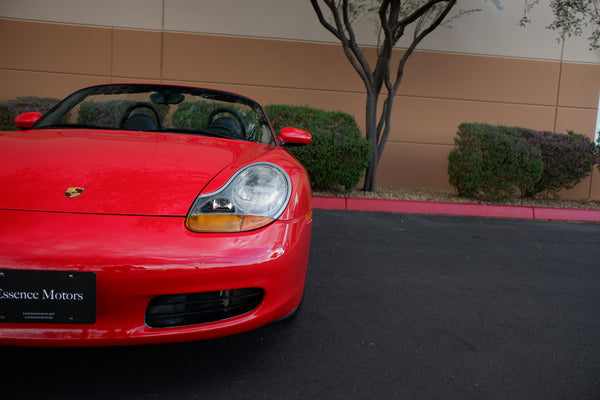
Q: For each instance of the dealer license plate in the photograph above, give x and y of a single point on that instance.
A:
(53, 297)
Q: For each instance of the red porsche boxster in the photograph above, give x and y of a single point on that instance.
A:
(149, 213)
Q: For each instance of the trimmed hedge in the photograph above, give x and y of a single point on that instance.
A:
(11, 108)
(568, 159)
(492, 161)
(338, 154)
(487, 161)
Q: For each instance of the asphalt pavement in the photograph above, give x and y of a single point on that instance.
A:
(397, 306)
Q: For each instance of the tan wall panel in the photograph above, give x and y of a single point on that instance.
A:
(257, 62)
(489, 31)
(580, 85)
(430, 120)
(458, 76)
(324, 67)
(127, 79)
(136, 54)
(55, 48)
(141, 14)
(414, 165)
(595, 189)
(581, 191)
(579, 120)
(43, 84)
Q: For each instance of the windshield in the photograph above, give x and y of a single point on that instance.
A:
(162, 108)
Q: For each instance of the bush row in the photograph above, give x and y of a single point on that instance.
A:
(493, 161)
(337, 155)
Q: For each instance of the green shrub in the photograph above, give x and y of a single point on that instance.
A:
(337, 155)
(567, 159)
(11, 108)
(488, 162)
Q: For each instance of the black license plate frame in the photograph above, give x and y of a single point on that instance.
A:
(47, 297)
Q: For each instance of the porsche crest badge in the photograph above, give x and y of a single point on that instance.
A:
(73, 192)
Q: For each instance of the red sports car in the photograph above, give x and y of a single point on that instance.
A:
(147, 213)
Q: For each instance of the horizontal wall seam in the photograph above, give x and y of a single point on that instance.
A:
(55, 72)
(366, 46)
(82, 25)
(316, 42)
(398, 96)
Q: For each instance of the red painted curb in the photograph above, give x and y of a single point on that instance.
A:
(329, 203)
(477, 210)
(567, 214)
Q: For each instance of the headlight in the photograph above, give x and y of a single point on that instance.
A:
(254, 197)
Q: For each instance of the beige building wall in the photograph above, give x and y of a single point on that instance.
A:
(478, 71)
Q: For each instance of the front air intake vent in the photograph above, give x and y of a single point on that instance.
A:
(198, 308)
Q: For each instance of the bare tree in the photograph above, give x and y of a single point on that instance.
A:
(394, 17)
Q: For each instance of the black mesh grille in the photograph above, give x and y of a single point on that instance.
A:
(197, 308)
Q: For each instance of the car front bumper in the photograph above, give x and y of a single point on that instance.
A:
(137, 258)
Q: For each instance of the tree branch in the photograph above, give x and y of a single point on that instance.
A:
(419, 37)
(324, 21)
(349, 45)
(384, 124)
(418, 13)
(354, 45)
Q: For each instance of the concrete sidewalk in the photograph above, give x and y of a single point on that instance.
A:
(476, 210)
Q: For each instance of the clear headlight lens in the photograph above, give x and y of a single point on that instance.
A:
(254, 197)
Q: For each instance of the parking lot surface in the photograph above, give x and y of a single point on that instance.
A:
(396, 306)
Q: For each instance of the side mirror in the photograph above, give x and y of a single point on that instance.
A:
(294, 137)
(26, 120)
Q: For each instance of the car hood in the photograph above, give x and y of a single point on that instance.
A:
(120, 172)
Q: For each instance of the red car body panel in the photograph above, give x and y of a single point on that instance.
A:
(123, 172)
(136, 258)
(128, 227)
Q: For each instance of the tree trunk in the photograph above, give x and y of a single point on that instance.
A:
(370, 183)
(371, 134)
